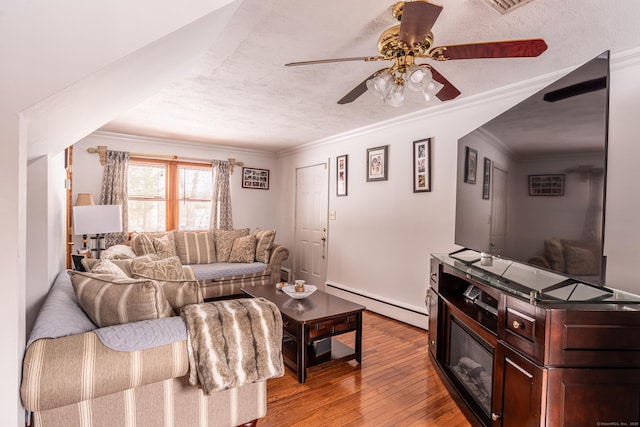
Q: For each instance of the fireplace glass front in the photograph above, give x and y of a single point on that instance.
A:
(472, 364)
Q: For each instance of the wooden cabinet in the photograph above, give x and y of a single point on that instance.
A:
(551, 363)
(518, 385)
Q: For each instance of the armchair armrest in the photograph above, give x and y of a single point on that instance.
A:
(279, 254)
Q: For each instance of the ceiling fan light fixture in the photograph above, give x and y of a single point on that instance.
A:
(380, 84)
(395, 97)
(418, 77)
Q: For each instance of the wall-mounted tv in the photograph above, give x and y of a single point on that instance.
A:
(531, 182)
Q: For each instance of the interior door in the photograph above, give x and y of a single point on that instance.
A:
(312, 193)
(498, 209)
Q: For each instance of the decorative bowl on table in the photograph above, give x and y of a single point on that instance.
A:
(291, 291)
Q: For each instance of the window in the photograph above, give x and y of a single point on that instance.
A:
(169, 195)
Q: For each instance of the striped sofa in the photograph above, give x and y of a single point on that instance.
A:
(220, 263)
(134, 374)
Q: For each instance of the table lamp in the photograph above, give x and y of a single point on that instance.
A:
(98, 220)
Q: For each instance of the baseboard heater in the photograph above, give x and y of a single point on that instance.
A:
(361, 295)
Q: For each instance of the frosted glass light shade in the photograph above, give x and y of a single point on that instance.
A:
(380, 84)
(418, 77)
(97, 219)
(395, 97)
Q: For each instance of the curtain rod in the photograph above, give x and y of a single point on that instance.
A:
(102, 152)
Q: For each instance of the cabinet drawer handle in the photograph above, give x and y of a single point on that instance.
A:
(495, 417)
(517, 325)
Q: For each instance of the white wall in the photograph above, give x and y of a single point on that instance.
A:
(380, 242)
(251, 208)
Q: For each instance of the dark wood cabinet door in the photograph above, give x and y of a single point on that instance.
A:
(432, 301)
(602, 396)
(517, 389)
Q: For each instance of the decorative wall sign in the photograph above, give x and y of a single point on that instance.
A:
(255, 178)
(470, 165)
(546, 185)
(377, 163)
(342, 174)
(422, 165)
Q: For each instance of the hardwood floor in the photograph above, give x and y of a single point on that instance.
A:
(396, 385)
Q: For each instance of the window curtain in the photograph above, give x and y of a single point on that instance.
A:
(114, 192)
(221, 217)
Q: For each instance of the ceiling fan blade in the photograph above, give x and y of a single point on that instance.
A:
(449, 91)
(358, 90)
(327, 61)
(418, 18)
(504, 49)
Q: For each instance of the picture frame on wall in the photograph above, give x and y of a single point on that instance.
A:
(486, 181)
(470, 165)
(422, 165)
(377, 168)
(342, 171)
(546, 185)
(255, 178)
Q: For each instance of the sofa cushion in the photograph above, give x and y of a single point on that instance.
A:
(118, 252)
(124, 264)
(167, 268)
(224, 242)
(554, 252)
(106, 266)
(165, 246)
(111, 300)
(243, 249)
(195, 247)
(169, 273)
(142, 244)
(220, 270)
(265, 239)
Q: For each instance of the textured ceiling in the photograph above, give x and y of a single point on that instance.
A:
(240, 94)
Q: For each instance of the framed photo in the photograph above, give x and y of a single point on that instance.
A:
(470, 165)
(342, 164)
(255, 178)
(377, 163)
(546, 185)
(486, 182)
(422, 165)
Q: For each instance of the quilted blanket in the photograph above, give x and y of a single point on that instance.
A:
(233, 342)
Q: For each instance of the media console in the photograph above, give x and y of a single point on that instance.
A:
(520, 346)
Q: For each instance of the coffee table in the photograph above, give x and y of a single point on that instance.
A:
(309, 325)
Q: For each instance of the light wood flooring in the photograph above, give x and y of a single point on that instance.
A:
(396, 385)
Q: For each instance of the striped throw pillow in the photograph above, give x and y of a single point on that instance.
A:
(195, 247)
(265, 239)
(111, 300)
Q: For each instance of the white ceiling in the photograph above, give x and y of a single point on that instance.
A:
(240, 94)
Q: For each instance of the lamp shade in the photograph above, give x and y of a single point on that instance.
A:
(97, 219)
(85, 199)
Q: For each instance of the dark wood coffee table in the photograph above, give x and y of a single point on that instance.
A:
(309, 325)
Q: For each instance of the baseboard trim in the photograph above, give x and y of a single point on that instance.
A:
(402, 312)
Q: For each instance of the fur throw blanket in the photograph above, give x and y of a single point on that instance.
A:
(233, 342)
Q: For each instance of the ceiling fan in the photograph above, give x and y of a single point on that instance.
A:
(412, 40)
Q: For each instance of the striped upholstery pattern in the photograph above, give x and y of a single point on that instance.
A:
(265, 239)
(231, 285)
(70, 381)
(170, 403)
(195, 247)
(66, 370)
(111, 300)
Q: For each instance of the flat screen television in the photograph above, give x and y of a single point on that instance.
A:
(531, 182)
